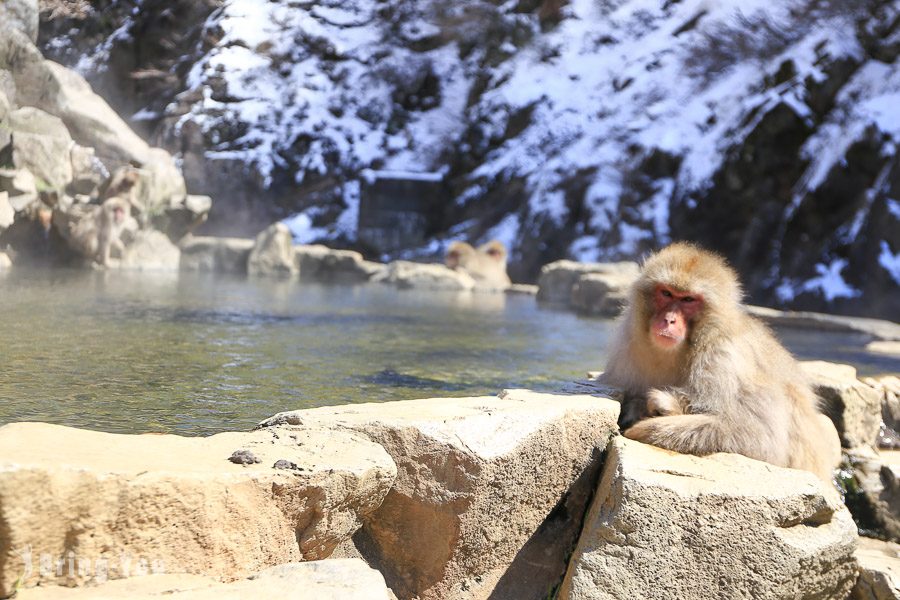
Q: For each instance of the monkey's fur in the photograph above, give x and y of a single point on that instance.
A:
(486, 264)
(729, 386)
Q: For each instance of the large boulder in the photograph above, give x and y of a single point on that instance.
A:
(602, 294)
(667, 525)
(273, 252)
(557, 279)
(320, 263)
(490, 491)
(224, 506)
(151, 250)
(21, 15)
(853, 406)
(42, 145)
(348, 579)
(410, 275)
(184, 214)
(208, 254)
(879, 571)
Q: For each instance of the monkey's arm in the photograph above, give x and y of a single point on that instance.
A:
(689, 434)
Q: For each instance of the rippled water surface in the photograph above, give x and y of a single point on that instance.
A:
(197, 354)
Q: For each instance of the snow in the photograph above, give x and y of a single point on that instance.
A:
(830, 283)
(890, 261)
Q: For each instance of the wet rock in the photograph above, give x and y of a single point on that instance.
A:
(348, 579)
(176, 501)
(490, 490)
(523, 289)
(215, 254)
(667, 525)
(879, 571)
(854, 407)
(557, 279)
(273, 252)
(410, 275)
(877, 328)
(320, 263)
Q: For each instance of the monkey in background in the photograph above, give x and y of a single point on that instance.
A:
(486, 264)
(701, 375)
(96, 230)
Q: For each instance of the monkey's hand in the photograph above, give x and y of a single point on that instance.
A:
(699, 434)
(662, 403)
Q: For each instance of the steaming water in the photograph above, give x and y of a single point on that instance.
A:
(196, 354)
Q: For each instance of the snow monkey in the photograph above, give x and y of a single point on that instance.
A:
(486, 264)
(94, 230)
(700, 375)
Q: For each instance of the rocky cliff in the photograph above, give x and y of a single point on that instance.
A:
(589, 129)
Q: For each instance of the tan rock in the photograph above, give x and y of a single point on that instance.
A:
(273, 252)
(557, 279)
(41, 144)
(602, 294)
(854, 407)
(88, 173)
(215, 254)
(879, 571)
(320, 263)
(348, 579)
(120, 504)
(410, 275)
(151, 250)
(5, 262)
(889, 388)
(877, 328)
(666, 525)
(185, 214)
(471, 514)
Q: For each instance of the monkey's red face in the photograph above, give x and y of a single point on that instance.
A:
(118, 215)
(674, 312)
(452, 259)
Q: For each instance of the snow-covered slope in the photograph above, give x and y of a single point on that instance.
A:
(594, 129)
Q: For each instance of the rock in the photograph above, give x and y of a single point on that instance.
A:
(602, 294)
(88, 173)
(7, 213)
(557, 279)
(215, 254)
(523, 289)
(347, 579)
(471, 514)
(5, 132)
(879, 571)
(410, 275)
(5, 262)
(320, 263)
(184, 214)
(42, 145)
(877, 328)
(854, 407)
(668, 525)
(21, 15)
(151, 250)
(177, 501)
(889, 388)
(888, 348)
(878, 474)
(20, 185)
(273, 252)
